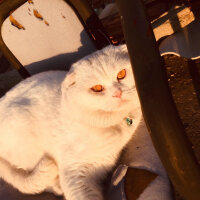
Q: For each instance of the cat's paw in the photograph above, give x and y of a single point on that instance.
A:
(48, 171)
(55, 188)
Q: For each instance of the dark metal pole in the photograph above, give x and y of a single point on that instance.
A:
(92, 23)
(159, 110)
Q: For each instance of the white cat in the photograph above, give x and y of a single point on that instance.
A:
(64, 131)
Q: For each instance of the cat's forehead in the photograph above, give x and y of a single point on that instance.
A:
(105, 63)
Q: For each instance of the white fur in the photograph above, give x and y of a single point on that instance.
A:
(56, 117)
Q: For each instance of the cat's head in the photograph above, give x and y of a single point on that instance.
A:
(102, 82)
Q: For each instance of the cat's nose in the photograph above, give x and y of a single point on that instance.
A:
(117, 93)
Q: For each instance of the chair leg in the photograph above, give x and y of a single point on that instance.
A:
(23, 72)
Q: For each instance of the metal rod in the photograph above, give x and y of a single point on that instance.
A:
(92, 24)
(83, 8)
(159, 110)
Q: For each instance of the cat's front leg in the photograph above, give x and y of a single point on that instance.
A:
(44, 176)
(80, 183)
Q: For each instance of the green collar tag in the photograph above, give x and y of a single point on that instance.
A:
(129, 121)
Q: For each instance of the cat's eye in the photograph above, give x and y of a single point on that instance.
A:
(97, 88)
(121, 75)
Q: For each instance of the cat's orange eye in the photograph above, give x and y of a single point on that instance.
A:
(121, 74)
(97, 88)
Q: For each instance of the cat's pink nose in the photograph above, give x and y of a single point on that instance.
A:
(118, 94)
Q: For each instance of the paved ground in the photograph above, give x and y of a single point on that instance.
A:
(185, 90)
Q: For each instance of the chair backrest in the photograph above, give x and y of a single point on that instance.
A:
(46, 34)
(184, 43)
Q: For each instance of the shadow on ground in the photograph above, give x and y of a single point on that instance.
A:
(9, 193)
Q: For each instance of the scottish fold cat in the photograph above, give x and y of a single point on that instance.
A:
(62, 132)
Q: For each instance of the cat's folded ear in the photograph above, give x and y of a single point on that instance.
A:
(69, 80)
(123, 48)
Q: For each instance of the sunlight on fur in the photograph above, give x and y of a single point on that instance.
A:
(59, 135)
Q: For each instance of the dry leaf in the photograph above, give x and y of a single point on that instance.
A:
(15, 23)
(30, 1)
(46, 23)
(37, 14)
(114, 41)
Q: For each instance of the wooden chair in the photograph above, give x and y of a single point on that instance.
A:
(184, 43)
(41, 35)
(159, 110)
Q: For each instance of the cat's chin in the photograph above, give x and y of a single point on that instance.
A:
(99, 117)
(122, 105)
(105, 119)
